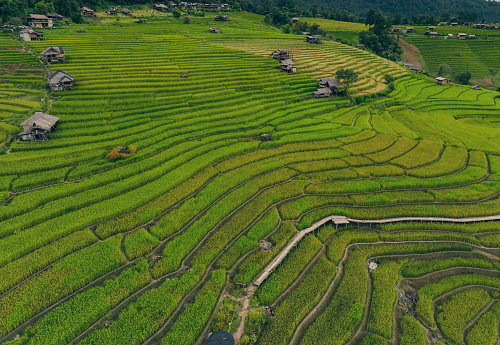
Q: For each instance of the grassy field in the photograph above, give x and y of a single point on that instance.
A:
(160, 246)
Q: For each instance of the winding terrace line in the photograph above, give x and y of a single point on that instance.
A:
(342, 220)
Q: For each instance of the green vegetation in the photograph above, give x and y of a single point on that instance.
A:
(233, 158)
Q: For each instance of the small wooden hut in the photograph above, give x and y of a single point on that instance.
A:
(52, 54)
(215, 29)
(87, 12)
(281, 54)
(441, 80)
(314, 39)
(126, 12)
(60, 80)
(286, 65)
(38, 127)
(323, 92)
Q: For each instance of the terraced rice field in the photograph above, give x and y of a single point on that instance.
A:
(480, 56)
(159, 247)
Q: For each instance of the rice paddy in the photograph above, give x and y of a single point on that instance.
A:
(160, 246)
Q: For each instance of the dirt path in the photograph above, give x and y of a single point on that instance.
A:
(244, 311)
(411, 54)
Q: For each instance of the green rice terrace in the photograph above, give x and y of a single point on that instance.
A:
(164, 208)
(480, 56)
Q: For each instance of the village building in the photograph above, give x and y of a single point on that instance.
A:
(472, 37)
(477, 26)
(39, 20)
(454, 24)
(476, 87)
(441, 80)
(319, 16)
(60, 81)
(461, 36)
(484, 26)
(331, 84)
(52, 54)
(87, 12)
(433, 34)
(415, 69)
(212, 7)
(466, 24)
(409, 30)
(396, 29)
(281, 54)
(430, 28)
(172, 4)
(226, 6)
(160, 7)
(448, 36)
(305, 33)
(56, 17)
(112, 11)
(295, 20)
(361, 46)
(323, 92)
(286, 65)
(38, 127)
(215, 29)
(495, 27)
(126, 12)
(442, 23)
(31, 35)
(314, 39)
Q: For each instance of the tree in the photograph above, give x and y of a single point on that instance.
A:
(370, 17)
(177, 13)
(463, 78)
(388, 78)
(77, 18)
(444, 70)
(16, 21)
(186, 20)
(267, 19)
(347, 77)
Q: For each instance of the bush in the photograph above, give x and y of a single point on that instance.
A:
(463, 78)
(186, 20)
(177, 13)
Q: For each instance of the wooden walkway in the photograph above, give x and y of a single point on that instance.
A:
(341, 220)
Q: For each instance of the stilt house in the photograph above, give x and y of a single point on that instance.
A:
(52, 54)
(60, 80)
(38, 127)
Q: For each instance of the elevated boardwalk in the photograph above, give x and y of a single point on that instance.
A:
(341, 220)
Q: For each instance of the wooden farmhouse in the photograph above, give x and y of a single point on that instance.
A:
(396, 30)
(87, 12)
(126, 12)
(160, 7)
(286, 65)
(38, 127)
(414, 69)
(39, 20)
(409, 30)
(454, 24)
(281, 54)
(461, 36)
(295, 20)
(448, 36)
(314, 39)
(442, 23)
(215, 29)
(330, 83)
(433, 34)
(327, 88)
(441, 80)
(323, 92)
(31, 35)
(472, 37)
(476, 87)
(52, 54)
(60, 80)
(430, 28)
(56, 17)
(112, 11)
